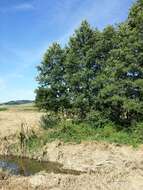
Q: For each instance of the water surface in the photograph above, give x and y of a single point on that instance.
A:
(27, 167)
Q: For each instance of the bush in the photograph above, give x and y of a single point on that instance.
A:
(108, 130)
(33, 142)
(137, 132)
(49, 121)
(67, 131)
(71, 132)
(96, 119)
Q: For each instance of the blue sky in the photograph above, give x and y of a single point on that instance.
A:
(28, 27)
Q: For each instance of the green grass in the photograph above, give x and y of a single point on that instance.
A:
(70, 132)
(83, 132)
(3, 109)
(33, 143)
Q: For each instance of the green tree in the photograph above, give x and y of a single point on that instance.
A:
(78, 64)
(98, 74)
(102, 49)
(51, 94)
(121, 97)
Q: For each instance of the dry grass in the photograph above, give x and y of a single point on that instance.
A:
(11, 119)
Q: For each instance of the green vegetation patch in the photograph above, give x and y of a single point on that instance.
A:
(69, 131)
(3, 109)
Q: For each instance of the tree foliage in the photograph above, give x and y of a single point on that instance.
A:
(98, 72)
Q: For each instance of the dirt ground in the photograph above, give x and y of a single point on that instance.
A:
(104, 166)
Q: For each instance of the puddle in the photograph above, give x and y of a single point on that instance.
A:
(27, 167)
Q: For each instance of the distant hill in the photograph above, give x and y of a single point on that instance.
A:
(17, 102)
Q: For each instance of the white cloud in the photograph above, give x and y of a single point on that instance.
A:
(18, 7)
(23, 7)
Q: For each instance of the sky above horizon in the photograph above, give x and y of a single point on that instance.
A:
(28, 27)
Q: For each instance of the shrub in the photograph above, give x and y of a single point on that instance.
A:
(137, 132)
(49, 121)
(71, 132)
(33, 142)
(108, 130)
(96, 119)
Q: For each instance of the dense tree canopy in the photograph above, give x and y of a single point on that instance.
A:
(97, 71)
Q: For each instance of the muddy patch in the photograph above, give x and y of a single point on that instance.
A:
(27, 167)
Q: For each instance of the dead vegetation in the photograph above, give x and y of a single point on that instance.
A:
(10, 120)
